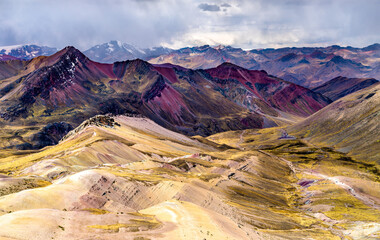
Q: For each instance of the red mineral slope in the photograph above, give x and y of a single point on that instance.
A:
(282, 95)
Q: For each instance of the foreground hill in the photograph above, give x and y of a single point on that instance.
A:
(350, 124)
(129, 178)
(306, 66)
(341, 86)
(69, 87)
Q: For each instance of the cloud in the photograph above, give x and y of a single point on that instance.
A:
(179, 23)
(209, 7)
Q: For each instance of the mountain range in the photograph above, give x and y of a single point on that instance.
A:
(67, 86)
(306, 66)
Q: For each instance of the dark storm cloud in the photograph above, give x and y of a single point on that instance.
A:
(179, 23)
(209, 7)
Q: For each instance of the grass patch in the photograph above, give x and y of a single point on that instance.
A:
(96, 211)
(134, 225)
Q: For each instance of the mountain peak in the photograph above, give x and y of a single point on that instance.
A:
(115, 42)
(69, 52)
(70, 49)
(226, 48)
(373, 47)
(288, 57)
(220, 47)
(318, 54)
(228, 65)
(140, 64)
(338, 59)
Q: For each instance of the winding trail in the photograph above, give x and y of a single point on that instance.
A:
(335, 180)
(366, 200)
(241, 140)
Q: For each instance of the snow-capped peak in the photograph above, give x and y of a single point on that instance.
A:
(8, 49)
(118, 51)
(27, 51)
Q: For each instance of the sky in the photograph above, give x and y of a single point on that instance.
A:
(247, 24)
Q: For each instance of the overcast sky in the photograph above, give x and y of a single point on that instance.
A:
(179, 23)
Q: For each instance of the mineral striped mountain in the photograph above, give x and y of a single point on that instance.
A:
(68, 87)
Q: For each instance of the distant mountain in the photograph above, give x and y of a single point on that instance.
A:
(208, 57)
(342, 86)
(68, 86)
(114, 51)
(373, 47)
(350, 124)
(27, 51)
(308, 67)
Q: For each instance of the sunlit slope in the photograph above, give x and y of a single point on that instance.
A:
(350, 124)
(125, 178)
(343, 193)
(98, 141)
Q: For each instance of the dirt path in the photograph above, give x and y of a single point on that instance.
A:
(367, 201)
(241, 140)
(335, 180)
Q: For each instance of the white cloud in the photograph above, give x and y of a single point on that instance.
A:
(179, 23)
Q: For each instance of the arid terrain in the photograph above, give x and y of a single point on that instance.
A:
(128, 178)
